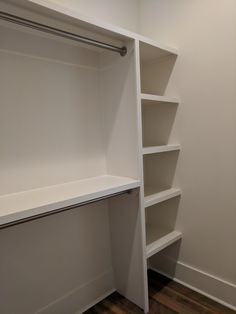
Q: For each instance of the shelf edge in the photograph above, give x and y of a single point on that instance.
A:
(161, 197)
(152, 42)
(44, 206)
(157, 98)
(160, 149)
(162, 243)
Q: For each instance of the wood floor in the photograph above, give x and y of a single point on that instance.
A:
(165, 297)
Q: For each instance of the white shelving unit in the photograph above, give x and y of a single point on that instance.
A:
(158, 156)
(68, 132)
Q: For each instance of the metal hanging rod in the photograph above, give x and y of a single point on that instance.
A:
(60, 210)
(61, 33)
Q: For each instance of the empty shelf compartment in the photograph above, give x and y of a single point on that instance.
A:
(156, 67)
(161, 221)
(158, 123)
(159, 171)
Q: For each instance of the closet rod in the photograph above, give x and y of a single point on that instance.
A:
(60, 210)
(58, 32)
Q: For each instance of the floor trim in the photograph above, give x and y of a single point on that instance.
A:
(102, 297)
(83, 297)
(201, 284)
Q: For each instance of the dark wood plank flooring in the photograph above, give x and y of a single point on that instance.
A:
(165, 297)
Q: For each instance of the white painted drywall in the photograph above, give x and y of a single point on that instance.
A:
(123, 13)
(205, 78)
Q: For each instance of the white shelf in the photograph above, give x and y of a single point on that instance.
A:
(90, 23)
(160, 149)
(162, 241)
(33, 202)
(149, 98)
(161, 197)
(151, 50)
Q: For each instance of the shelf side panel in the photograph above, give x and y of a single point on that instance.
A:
(118, 103)
(126, 246)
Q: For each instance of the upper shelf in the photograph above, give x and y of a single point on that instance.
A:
(148, 98)
(34, 202)
(91, 25)
(150, 50)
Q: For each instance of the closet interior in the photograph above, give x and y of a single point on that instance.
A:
(85, 147)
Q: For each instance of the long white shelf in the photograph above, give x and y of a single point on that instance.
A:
(160, 149)
(162, 196)
(90, 23)
(162, 242)
(148, 98)
(33, 202)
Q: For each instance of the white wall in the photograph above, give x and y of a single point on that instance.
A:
(205, 75)
(123, 13)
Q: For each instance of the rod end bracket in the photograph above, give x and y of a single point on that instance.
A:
(123, 51)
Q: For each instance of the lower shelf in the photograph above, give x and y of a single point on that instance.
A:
(30, 203)
(161, 197)
(160, 149)
(159, 240)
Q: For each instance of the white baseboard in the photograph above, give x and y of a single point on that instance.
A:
(83, 297)
(204, 283)
(102, 297)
